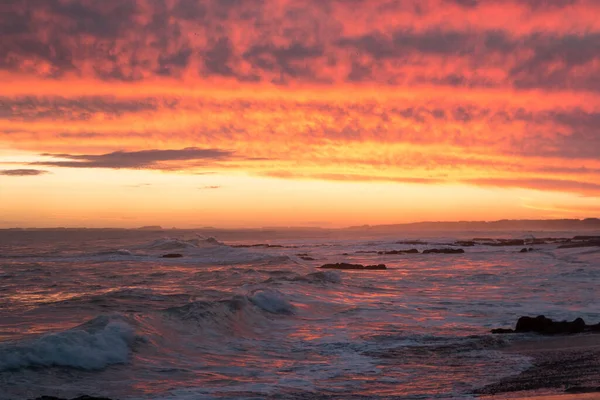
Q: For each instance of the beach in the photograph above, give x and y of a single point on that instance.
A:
(563, 367)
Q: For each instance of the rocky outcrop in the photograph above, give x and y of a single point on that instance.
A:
(443, 251)
(464, 243)
(172, 255)
(393, 252)
(583, 243)
(354, 266)
(411, 242)
(547, 326)
(582, 237)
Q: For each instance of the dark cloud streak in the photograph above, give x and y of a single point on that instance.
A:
(22, 172)
(145, 159)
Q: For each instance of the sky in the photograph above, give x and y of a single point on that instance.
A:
(250, 113)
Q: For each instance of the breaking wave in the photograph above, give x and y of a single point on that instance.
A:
(268, 301)
(272, 301)
(178, 244)
(95, 345)
(209, 250)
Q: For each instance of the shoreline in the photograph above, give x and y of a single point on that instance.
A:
(563, 367)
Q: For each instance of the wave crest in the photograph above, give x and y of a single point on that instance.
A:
(227, 310)
(272, 301)
(95, 345)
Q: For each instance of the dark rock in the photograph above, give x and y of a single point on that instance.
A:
(48, 398)
(75, 398)
(578, 325)
(366, 252)
(464, 243)
(353, 266)
(547, 326)
(443, 251)
(307, 258)
(584, 243)
(536, 241)
(586, 237)
(594, 328)
(392, 252)
(529, 324)
(526, 250)
(411, 242)
(172, 255)
(502, 330)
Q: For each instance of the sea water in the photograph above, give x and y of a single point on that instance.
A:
(100, 312)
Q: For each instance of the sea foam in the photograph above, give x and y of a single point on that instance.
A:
(271, 301)
(106, 341)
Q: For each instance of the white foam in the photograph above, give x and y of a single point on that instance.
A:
(272, 301)
(76, 348)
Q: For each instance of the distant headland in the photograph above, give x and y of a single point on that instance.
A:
(499, 225)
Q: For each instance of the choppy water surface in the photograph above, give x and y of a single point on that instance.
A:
(99, 312)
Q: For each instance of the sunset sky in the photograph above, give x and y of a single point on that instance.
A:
(249, 113)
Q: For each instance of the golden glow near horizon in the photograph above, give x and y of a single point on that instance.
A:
(195, 114)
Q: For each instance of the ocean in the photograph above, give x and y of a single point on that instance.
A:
(247, 315)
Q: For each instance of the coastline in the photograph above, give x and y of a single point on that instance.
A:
(563, 367)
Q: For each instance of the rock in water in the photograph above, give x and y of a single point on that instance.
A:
(353, 266)
(75, 398)
(547, 326)
(530, 324)
(443, 251)
(172, 255)
(502, 330)
(464, 243)
(391, 252)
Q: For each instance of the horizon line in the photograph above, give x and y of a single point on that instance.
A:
(315, 227)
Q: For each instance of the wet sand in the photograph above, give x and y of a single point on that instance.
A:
(564, 367)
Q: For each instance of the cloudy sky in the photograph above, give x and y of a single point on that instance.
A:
(231, 113)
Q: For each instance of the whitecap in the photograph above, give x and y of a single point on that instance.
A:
(99, 343)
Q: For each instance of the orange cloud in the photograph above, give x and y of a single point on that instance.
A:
(517, 44)
(586, 188)
(424, 93)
